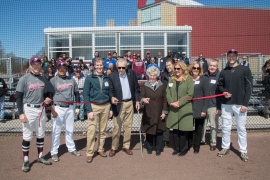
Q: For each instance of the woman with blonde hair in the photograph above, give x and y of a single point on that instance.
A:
(180, 118)
(199, 107)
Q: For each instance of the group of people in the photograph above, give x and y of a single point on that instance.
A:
(179, 101)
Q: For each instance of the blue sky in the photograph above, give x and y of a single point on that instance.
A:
(22, 21)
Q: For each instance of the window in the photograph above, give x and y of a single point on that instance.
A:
(85, 52)
(105, 40)
(59, 40)
(154, 39)
(81, 39)
(151, 16)
(130, 39)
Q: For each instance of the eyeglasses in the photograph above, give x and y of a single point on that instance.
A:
(194, 68)
(121, 67)
(177, 69)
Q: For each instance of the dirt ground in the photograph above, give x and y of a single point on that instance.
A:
(205, 165)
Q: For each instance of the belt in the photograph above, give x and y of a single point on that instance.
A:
(33, 105)
(64, 106)
(126, 100)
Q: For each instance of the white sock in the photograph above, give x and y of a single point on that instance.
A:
(25, 158)
(40, 155)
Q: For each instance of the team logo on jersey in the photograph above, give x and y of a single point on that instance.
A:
(32, 87)
(61, 87)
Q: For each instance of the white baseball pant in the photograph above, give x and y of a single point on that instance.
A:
(66, 117)
(226, 114)
(33, 122)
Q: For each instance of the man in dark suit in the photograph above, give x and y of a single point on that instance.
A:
(124, 88)
(203, 63)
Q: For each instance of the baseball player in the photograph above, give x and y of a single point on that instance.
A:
(65, 88)
(32, 93)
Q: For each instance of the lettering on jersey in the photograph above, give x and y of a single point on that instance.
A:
(138, 63)
(32, 87)
(61, 87)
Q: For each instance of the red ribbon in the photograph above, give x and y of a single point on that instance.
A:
(191, 99)
(43, 105)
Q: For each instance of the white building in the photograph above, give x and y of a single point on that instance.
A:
(84, 41)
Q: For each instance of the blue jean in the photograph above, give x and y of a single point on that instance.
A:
(81, 115)
(2, 103)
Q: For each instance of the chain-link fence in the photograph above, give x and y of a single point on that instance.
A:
(255, 119)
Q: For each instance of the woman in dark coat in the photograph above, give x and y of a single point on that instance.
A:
(199, 107)
(153, 98)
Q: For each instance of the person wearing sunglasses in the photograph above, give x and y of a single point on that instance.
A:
(185, 58)
(178, 93)
(199, 107)
(245, 62)
(124, 95)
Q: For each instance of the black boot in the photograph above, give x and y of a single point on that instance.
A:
(196, 150)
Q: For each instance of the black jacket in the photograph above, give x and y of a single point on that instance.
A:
(3, 87)
(147, 61)
(266, 83)
(70, 70)
(165, 77)
(201, 88)
(115, 89)
(213, 80)
(238, 82)
(204, 65)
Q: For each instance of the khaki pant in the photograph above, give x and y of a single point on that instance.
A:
(213, 119)
(101, 113)
(124, 117)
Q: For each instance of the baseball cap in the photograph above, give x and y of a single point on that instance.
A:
(148, 52)
(59, 64)
(184, 52)
(138, 55)
(232, 51)
(245, 57)
(78, 70)
(35, 59)
(109, 53)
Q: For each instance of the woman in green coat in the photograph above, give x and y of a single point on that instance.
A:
(179, 91)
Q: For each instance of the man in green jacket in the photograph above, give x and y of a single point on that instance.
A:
(96, 91)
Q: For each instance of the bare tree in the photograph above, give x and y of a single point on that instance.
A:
(41, 52)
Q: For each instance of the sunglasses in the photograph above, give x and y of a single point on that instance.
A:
(194, 68)
(121, 67)
(177, 69)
